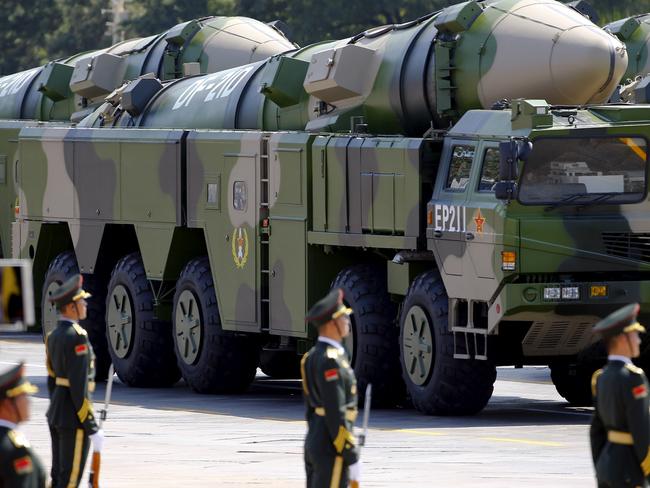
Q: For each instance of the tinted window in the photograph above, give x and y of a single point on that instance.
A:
(460, 168)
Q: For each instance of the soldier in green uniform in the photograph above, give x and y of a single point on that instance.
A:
(19, 466)
(71, 369)
(620, 428)
(330, 392)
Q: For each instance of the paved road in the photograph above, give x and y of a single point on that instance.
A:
(526, 437)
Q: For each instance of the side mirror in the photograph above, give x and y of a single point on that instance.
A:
(505, 190)
(508, 161)
(510, 153)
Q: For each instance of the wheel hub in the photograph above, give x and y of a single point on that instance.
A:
(187, 327)
(119, 319)
(417, 345)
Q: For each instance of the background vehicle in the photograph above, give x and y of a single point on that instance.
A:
(16, 295)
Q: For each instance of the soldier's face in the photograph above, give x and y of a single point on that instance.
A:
(78, 309)
(635, 344)
(343, 325)
(23, 407)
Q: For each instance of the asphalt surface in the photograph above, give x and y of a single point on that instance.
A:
(526, 437)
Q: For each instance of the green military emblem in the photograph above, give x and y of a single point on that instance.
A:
(239, 241)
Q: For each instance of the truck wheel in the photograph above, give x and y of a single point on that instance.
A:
(61, 268)
(140, 344)
(210, 359)
(572, 379)
(373, 341)
(437, 383)
(280, 364)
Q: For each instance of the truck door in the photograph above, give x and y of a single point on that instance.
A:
(449, 218)
(484, 232)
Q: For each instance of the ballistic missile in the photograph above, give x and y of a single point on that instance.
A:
(398, 78)
(73, 87)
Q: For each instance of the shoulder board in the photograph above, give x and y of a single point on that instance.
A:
(634, 369)
(80, 330)
(18, 439)
(333, 353)
(594, 380)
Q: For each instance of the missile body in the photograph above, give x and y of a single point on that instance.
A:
(55, 91)
(400, 79)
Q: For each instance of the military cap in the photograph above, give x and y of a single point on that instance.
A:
(13, 383)
(69, 291)
(328, 308)
(621, 321)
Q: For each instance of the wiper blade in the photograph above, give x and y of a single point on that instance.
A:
(565, 200)
(602, 197)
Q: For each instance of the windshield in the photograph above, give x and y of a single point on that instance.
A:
(576, 171)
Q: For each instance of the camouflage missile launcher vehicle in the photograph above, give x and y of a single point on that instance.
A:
(208, 245)
(65, 91)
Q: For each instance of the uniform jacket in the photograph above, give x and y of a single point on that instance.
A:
(71, 370)
(620, 428)
(19, 467)
(330, 391)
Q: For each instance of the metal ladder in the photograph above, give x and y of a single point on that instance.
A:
(265, 233)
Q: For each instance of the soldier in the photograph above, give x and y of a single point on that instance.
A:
(330, 392)
(620, 428)
(71, 369)
(19, 466)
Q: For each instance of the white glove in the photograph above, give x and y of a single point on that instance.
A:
(355, 471)
(98, 440)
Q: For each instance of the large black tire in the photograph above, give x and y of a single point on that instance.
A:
(374, 335)
(280, 364)
(143, 355)
(444, 385)
(572, 378)
(210, 359)
(61, 268)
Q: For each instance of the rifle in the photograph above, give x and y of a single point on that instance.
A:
(366, 416)
(93, 479)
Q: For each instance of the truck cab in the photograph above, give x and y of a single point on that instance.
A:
(529, 272)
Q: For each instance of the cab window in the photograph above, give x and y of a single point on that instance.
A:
(460, 168)
(489, 170)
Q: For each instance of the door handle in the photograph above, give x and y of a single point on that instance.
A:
(437, 234)
(469, 236)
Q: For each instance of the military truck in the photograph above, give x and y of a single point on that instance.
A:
(208, 242)
(65, 91)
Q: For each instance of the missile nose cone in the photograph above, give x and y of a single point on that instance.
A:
(586, 65)
(546, 50)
